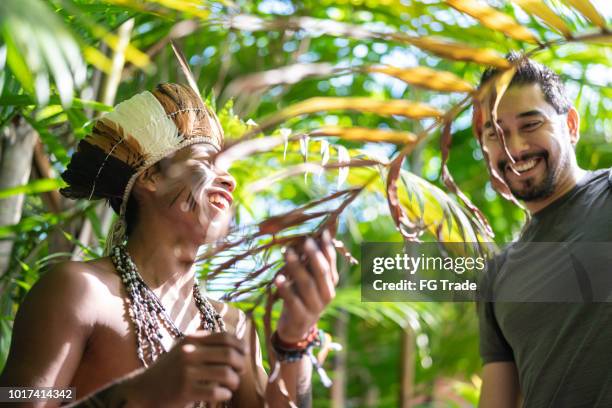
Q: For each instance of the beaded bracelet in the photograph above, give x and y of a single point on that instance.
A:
(292, 352)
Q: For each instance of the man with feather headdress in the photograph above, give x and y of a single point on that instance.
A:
(133, 328)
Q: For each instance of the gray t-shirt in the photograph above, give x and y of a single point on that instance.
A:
(562, 349)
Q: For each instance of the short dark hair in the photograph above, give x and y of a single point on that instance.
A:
(531, 72)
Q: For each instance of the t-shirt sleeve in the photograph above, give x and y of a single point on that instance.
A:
(493, 345)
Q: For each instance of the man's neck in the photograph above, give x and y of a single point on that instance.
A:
(563, 187)
(164, 260)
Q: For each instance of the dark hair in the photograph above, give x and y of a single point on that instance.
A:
(531, 72)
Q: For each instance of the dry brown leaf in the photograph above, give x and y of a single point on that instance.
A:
(501, 82)
(449, 182)
(589, 11)
(480, 104)
(496, 85)
(454, 50)
(538, 8)
(497, 182)
(426, 78)
(340, 247)
(362, 134)
(409, 230)
(277, 223)
(491, 18)
(274, 225)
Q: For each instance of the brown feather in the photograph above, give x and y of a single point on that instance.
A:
(111, 137)
(191, 116)
(185, 68)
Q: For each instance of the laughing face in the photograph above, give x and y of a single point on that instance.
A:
(191, 195)
(539, 140)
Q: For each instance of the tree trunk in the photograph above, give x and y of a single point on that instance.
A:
(338, 389)
(17, 147)
(407, 368)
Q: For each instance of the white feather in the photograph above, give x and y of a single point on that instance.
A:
(144, 118)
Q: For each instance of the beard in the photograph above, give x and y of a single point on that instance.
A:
(536, 187)
(532, 191)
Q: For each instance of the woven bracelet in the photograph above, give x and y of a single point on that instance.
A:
(292, 352)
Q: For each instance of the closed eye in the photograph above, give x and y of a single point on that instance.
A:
(203, 158)
(203, 161)
(493, 137)
(531, 126)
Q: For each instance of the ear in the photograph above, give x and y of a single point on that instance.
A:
(147, 180)
(573, 125)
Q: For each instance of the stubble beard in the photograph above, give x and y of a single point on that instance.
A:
(531, 190)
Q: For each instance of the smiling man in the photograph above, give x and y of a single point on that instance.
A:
(134, 329)
(545, 348)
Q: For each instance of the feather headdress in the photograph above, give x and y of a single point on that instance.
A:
(138, 133)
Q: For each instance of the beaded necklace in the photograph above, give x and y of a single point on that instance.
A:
(148, 314)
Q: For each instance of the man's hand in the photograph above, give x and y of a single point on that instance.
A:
(307, 285)
(201, 367)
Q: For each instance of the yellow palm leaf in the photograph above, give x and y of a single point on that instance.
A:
(454, 50)
(538, 8)
(362, 134)
(414, 110)
(426, 78)
(496, 20)
(589, 11)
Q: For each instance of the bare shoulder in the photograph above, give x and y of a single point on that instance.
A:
(54, 323)
(88, 276)
(75, 285)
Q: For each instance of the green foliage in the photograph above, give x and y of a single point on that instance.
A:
(58, 96)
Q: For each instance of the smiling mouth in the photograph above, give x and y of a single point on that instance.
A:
(524, 165)
(219, 200)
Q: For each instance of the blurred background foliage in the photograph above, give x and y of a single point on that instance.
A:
(63, 63)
